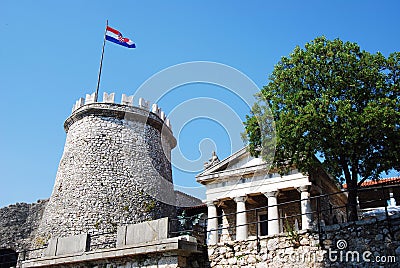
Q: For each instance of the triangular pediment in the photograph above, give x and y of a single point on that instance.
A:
(238, 160)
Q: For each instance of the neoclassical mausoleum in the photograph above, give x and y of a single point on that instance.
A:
(246, 198)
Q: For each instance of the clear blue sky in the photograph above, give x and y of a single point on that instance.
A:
(50, 53)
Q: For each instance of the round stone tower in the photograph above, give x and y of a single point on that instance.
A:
(115, 169)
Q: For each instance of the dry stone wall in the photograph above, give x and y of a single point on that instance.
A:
(367, 243)
(185, 200)
(18, 224)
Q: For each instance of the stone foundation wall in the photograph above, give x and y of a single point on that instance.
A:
(340, 245)
(377, 237)
(268, 253)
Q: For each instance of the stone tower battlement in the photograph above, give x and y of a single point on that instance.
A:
(126, 101)
(115, 168)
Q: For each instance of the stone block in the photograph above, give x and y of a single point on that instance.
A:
(163, 228)
(109, 98)
(188, 238)
(51, 248)
(121, 236)
(251, 259)
(139, 233)
(272, 244)
(145, 232)
(127, 100)
(72, 244)
(186, 245)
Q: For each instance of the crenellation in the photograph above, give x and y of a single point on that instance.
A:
(168, 123)
(79, 103)
(109, 98)
(162, 115)
(144, 104)
(155, 109)
(158, 111)
(127, 100)
(90, 98)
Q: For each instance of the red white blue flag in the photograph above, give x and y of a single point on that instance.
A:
(115, 36)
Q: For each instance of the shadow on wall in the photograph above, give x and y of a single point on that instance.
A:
(8, 258)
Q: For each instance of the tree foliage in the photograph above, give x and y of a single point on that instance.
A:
(333, 100)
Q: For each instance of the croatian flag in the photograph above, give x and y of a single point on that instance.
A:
(116, 37)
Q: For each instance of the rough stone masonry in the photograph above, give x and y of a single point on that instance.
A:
(114, 170)
(18, 224)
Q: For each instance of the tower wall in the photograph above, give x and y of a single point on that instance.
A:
(114, 170)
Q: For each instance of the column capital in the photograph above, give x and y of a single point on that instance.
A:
(210, 203)
(271, 194)
(304, 188)
(240, 198)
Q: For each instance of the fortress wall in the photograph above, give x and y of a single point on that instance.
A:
(18, 224)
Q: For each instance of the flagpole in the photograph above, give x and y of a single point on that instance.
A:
(101, 64)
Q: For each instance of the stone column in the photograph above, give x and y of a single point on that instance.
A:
(212, 223)
(273, 214)
(306, 212)
(241, 218)
(392, 200)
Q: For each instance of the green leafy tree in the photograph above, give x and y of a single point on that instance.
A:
(333, 100)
